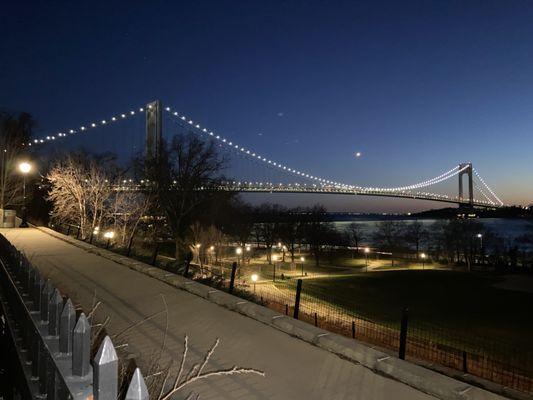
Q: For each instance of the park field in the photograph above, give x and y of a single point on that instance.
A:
(464, 305)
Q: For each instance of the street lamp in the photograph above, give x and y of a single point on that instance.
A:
(109, 235)
(274, 259)
(480, 236)
(254, 280)
(24, 168)
(238, 251)
(423, 257)
(367, 250)
(302, 259)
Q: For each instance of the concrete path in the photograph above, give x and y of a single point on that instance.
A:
(294, 369)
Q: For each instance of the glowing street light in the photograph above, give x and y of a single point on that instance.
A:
(302, 259)
(480, 237)
(367, 250)
(238, 250)
(254, 279)
(423, 257)
(109, 235)
(24, 168)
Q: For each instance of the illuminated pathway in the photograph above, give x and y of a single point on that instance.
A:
(294, 369)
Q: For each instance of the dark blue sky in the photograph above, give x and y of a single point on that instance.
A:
(416, 86)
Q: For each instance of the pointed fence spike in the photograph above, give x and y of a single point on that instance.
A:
(105, 372)
(55, 306)
(45, 298)
(81, 346)
(137, 389)
(66, 327)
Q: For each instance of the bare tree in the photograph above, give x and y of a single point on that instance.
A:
(15, 130)
(80, 192)
(414, 234)
(128, 208)
(317, 230)
(355, 235)
(185, 177)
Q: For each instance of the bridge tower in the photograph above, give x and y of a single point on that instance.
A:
(468, 172)
(154, 127)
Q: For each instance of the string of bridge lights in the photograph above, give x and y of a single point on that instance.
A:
(442, 177)
(487, 187)
(234, 146)
(253, 154)
(483, 193)
(86, 128)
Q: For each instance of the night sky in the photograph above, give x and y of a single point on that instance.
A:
(416, 86)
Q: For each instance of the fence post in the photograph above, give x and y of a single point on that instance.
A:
(353, 329)
(54, 312)
(105, 372)
(78, 233)
(316, 319)
(52, 384)
(81, 346)
(91, 237)
(186, 271)
(232, 279)
(43, 368)
(66, 327)
(68, 230)
(36, 355)
(45, 299)
(465, 363)
(137, 389)
(297, 300)
(403, 333)
(154, 256)
(37, 288)
(31, 280)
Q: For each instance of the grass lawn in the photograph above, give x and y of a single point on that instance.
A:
(462, 303)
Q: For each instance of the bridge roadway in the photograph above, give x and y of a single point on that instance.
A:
(294, 369)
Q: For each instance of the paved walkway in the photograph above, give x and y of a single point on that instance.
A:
(294, 369)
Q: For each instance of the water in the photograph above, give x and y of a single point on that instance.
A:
(506, 228)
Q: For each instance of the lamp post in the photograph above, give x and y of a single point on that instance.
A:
(302, 259)
(197, 247)
(24, 168)
(274, 259)
(423, 257)
(211, 251)
(480, 237)
(238, 251)
(254, 280)
(367, 250)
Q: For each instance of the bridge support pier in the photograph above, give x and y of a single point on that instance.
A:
(468, 172)
(154, 127)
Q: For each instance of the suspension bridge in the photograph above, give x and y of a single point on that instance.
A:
(279, 177)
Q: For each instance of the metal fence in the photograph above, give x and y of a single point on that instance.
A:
(499, 362)
(49, 343)
(487, 358)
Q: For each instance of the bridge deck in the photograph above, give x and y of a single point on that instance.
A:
(294, 369)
